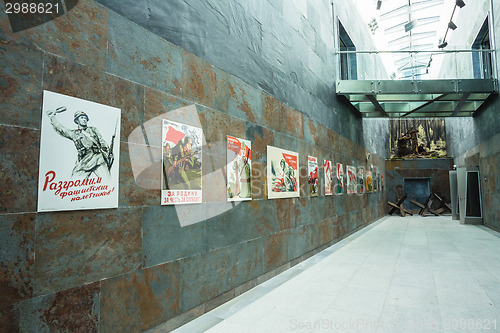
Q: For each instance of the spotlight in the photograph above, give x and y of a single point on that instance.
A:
(379, 4)
(443, 45)
(460, 3)
(452, 25)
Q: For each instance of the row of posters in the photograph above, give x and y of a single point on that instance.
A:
(80, 144)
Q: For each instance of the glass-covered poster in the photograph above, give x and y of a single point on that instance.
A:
(282, 173)
(79, 154)
(239, 169)
(327, 167)
(369, 181)
(181, 164)
(351, 179)
(312, 170)
(361, 180)
(340, 179)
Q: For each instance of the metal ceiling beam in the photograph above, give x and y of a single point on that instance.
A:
(461, 104)
(377, 105)
(423, 106)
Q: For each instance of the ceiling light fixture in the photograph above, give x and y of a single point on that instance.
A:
(451, 25)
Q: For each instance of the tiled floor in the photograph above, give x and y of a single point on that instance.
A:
(408, 274)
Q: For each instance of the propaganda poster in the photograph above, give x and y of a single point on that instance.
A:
(369, 181)
(282, 173)
(312, 171)
(340, 179)
(361, 180)
(239, 169)
(351, 179)
(181, 164)
(79, 154)
(327, 167)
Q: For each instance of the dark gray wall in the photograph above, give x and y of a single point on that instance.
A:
(376, 136)
(286, 51)
(461, 135)
(475, 141)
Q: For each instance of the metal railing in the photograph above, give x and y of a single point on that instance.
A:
(416, 64)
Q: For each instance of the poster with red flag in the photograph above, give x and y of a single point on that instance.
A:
(181, 164)
(312, 171)
(282, 173)
(239, 169)
(327, 167)
(79, 154)
(352, 181)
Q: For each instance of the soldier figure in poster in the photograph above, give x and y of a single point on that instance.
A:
(181, 160)
(94, 155)
(182, 164)
(244, 173)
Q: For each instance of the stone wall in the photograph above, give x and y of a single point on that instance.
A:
(437, 170)
(474, 141)
(135, 267)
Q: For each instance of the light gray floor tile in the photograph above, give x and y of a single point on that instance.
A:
(409, 274)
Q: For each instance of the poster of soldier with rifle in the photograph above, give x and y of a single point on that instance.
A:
(239, 169)
(282, 173)
(79, 154)
(181, 164)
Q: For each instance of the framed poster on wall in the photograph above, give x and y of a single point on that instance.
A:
(352, 181)
(340, 179)
(239, 169)
(282, 173)
(369, 181)
(312, 172)
(181, 164)
(79, 154)
(361, 180)
(327, 167)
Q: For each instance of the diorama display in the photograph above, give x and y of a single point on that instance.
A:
(181, 164)
(239, 169)
(312, 171)
(79, 154)
(417, 138)
(361, 180)
(327, 167)
(369, 181)
(282, 173)
(340, 179)
(352, 181)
